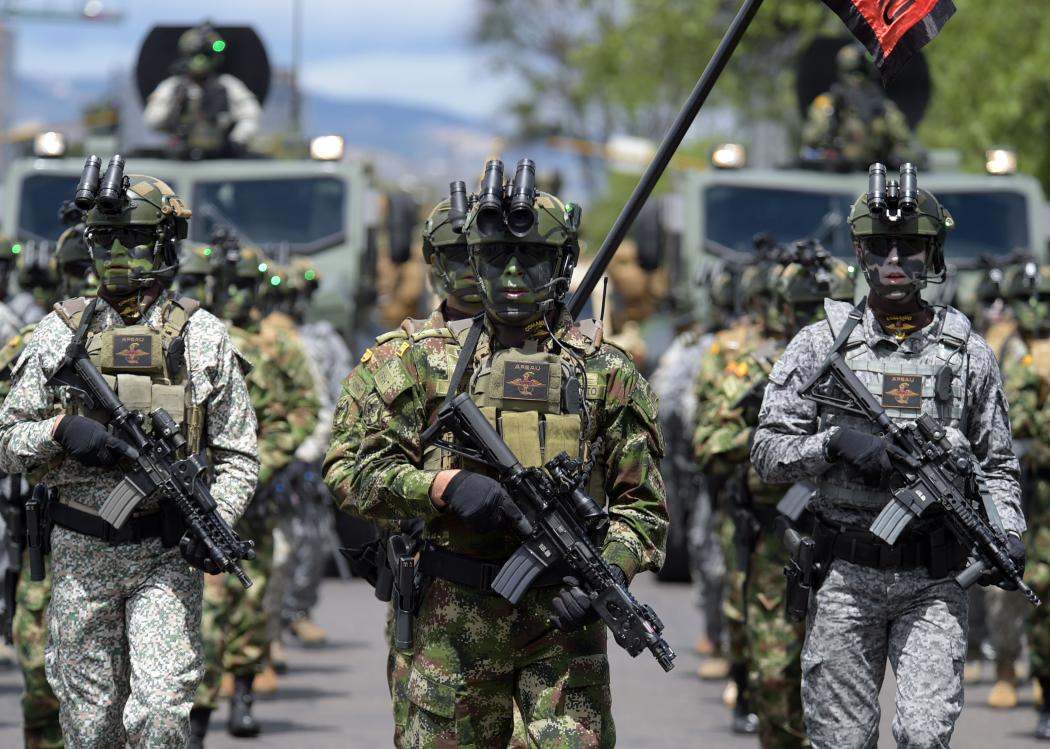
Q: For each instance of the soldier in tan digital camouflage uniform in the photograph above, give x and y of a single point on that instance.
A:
(124, 651)
(475, 655)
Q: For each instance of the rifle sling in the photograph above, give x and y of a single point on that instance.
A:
(465, 355)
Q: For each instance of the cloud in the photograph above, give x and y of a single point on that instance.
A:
(446, 80)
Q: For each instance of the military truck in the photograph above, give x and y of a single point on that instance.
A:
(327, 207)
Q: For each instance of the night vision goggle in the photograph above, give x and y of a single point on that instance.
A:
(499, 205)
(108, 194)
(892, 199)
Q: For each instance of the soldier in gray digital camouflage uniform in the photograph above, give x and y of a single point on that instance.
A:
(124, 653)
(879, 602)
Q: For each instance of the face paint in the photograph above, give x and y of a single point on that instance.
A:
(240, 298)
(515, 280)
(894, 266)
(122, 256)
(462, 283)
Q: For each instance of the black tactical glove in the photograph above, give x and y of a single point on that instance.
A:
(572, 607)
(869, 454)
(196, 553)
(88, 441)
(1014, 550)
(483, 503)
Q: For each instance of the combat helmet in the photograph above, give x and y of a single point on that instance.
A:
(1028, 291)
(514, 218)
(892, 208)
(201, 48)
(36, 272)
(134, 224)
(196, 266)
(304, 282)
(808, 276)
(447, 258)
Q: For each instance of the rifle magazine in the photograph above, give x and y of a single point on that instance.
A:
(121, 503)
(517, 574)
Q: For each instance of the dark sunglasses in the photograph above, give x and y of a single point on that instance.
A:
(882, 245)
(138, 242)
(529, 255)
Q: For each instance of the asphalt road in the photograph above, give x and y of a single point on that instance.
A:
(335, 697)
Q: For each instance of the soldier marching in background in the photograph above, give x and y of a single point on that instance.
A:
(1027, 383)
(235, 626)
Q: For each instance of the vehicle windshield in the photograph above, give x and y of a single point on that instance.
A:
(42, 194)
(986, 223)
(735, 214)
(304, 213)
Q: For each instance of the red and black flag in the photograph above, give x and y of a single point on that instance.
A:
(893, 30)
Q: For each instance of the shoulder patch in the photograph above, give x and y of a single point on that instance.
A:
(391, 380)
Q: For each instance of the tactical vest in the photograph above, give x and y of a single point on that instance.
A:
(145, 366)
(931, 381)
(529, 398)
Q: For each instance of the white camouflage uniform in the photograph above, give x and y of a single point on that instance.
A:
(863, 615)
(244, 110)
(124, 654)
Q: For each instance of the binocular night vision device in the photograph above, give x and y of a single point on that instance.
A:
(108, 192)
(499, 204)
(892, 198)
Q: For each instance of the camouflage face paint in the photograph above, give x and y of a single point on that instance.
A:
(514, 280)
(462, 283)
(894, 266)
(122, 256)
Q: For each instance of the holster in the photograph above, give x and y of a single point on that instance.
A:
(38, 529)
(403, 561)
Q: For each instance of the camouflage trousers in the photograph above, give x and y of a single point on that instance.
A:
(733, 602)
(774, 651)
(39, 704)
(476, 658)
(858, 619)
(398, 667)
(1037, 575)
(124, 650)
(234, 622)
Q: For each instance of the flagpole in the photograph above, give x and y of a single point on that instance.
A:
(663, 155)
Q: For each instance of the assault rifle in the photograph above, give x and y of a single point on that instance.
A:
(559, 520)
(156, 469)
(938, 475)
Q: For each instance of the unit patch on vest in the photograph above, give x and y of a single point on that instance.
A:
(902, 391)
(132, 351)
(526, 381)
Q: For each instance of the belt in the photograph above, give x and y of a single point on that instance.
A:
(136, 530)
(936, 550)
(474, 573)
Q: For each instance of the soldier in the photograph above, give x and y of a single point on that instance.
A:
(124, 653)
(310, 530)
(726, 419)
(875, 601)
(1028, 393)
(210, 113)
(40, 721)
(755, 292)
(855, 123)
(475, 656)
(235, 627)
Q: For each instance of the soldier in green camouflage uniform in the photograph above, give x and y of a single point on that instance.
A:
(281, 389)
(1027, 386)
(726, 418)
(475, 655)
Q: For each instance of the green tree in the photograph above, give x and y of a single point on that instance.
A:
(991, 75)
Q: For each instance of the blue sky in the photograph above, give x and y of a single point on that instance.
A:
(405, 50)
